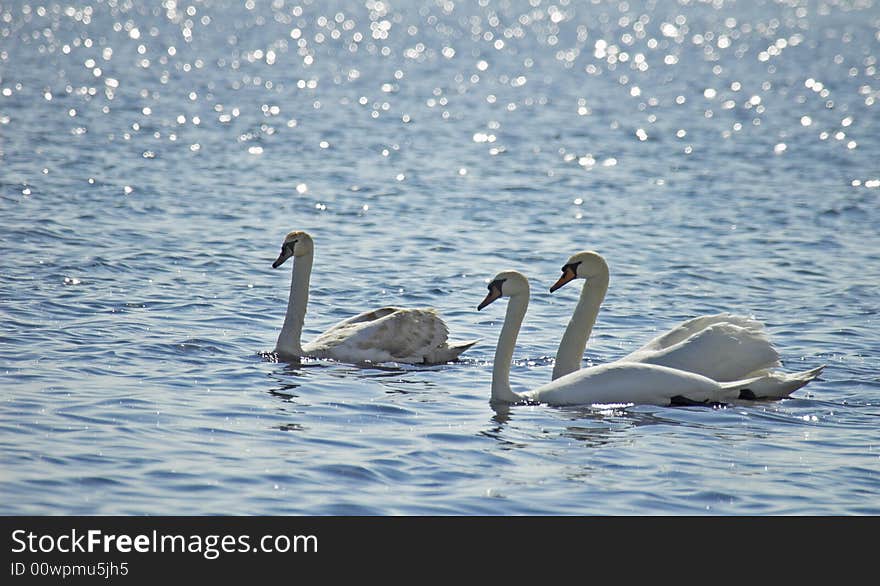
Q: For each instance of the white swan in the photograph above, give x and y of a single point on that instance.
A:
(617, 382)
(389, 334)
(723, 347)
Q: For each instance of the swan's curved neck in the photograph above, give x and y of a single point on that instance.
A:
(516, 312)
(289, 338)
(574, 341)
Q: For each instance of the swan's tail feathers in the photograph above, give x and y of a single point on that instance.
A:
(778, 385)
(460, 347)
(451, 352)
(735, 389)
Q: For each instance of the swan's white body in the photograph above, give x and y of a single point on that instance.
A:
(722, 347)
(618, 382)
(389, 334)
(645, 384)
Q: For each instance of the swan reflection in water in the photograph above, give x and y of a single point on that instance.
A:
(596, 425)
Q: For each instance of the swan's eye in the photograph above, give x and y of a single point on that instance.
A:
(496, 284)
(572, 266)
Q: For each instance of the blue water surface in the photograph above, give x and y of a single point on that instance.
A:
(722, 156)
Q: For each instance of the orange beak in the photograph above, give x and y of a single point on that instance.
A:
(494, 293)
(286, 253)
(568, 275)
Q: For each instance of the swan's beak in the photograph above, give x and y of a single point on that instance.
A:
(286, 253)
(494, 293)
(568, 274)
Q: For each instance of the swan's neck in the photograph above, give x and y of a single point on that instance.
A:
(574, 341)
(289, 338)
(516, 312)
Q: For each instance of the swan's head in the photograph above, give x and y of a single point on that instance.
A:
(583, 265)
(505, 284)
(297, 243)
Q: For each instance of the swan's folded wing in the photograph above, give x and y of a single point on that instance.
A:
(367, 316)
(402, 335)
(722, 351)
(692, 326)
